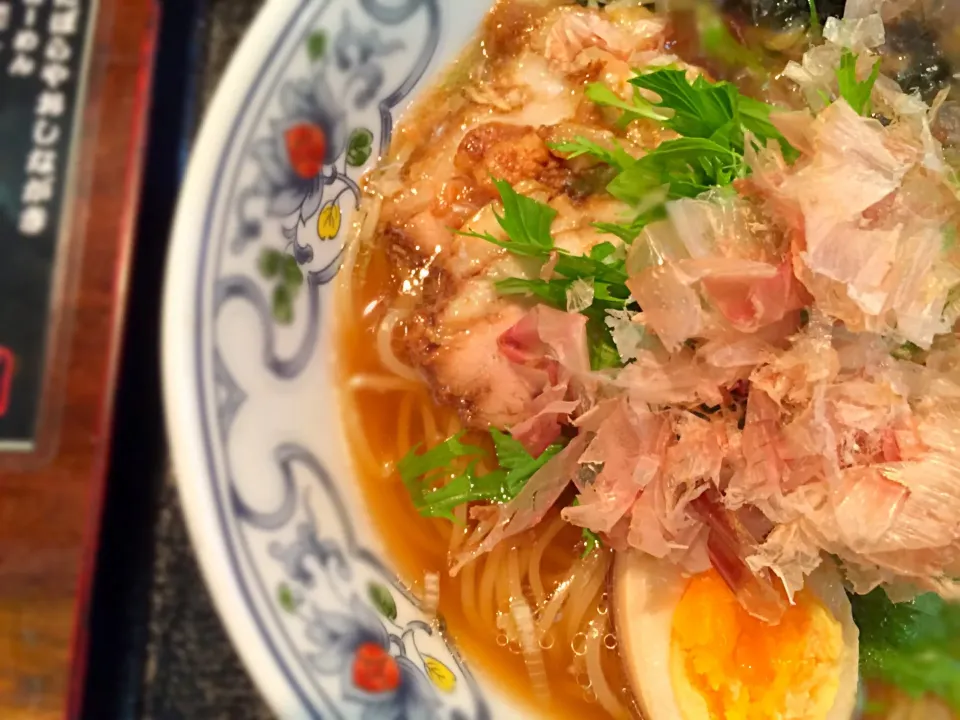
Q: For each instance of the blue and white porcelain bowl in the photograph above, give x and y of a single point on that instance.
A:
(297, 570)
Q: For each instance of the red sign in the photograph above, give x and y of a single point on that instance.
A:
(6, 378)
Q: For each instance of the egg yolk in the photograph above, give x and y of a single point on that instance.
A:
(728, 665)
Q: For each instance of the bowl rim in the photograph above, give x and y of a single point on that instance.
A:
(184, 273)
(189, 393)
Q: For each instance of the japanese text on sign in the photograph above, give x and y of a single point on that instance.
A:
(46, 51)
(42, 49)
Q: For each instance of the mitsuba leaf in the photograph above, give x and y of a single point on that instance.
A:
(591, 541)
(628, 232)
(914, 646)
(699, 108)
(525, 220)
(640, 107)
(603, 351)
(687, 166)
(718, 111)
(551, 292)
(579, 146)
(437, 488)
(856, 92)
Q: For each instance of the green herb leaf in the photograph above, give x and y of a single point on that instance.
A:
(717, 111)
(527, 223)
(607, 271)
(525, 220)
(511, 454)
(755, 117)
(625, 231)
(591, 541)
(601, 95)
(551, 292)
(606, 296)
(711, 117)
(687, 166)
(699, 108)
(856, 93)
(518, 476)
(579, 146)
(628, 232)
(914, 646)
(603, 251)
(421, 472)
(814, 18)
(603, 351)
(517, 462)
(423, 475)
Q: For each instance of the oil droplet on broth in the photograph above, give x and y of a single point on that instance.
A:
(579, 644)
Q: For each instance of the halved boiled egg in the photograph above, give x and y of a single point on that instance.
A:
(693, 653)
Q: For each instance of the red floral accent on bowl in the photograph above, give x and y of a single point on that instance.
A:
(375, 670)
(306, 147)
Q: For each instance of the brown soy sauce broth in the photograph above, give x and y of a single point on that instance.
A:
(418, 545)
(385, 424)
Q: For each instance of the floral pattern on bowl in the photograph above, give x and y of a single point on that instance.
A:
(286, 547)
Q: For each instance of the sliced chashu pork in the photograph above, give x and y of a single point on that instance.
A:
(447, 186)
(453, 339)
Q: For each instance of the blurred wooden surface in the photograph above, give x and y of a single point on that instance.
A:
(49, 514)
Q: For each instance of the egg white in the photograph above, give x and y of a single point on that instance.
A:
(646, 593)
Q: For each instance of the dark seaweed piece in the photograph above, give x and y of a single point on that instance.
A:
(782, 14)
(919, 61)
(926, 77)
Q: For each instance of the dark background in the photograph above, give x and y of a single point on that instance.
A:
(158, 649)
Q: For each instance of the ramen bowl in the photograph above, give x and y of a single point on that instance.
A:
(437, 402)
(296, 568)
